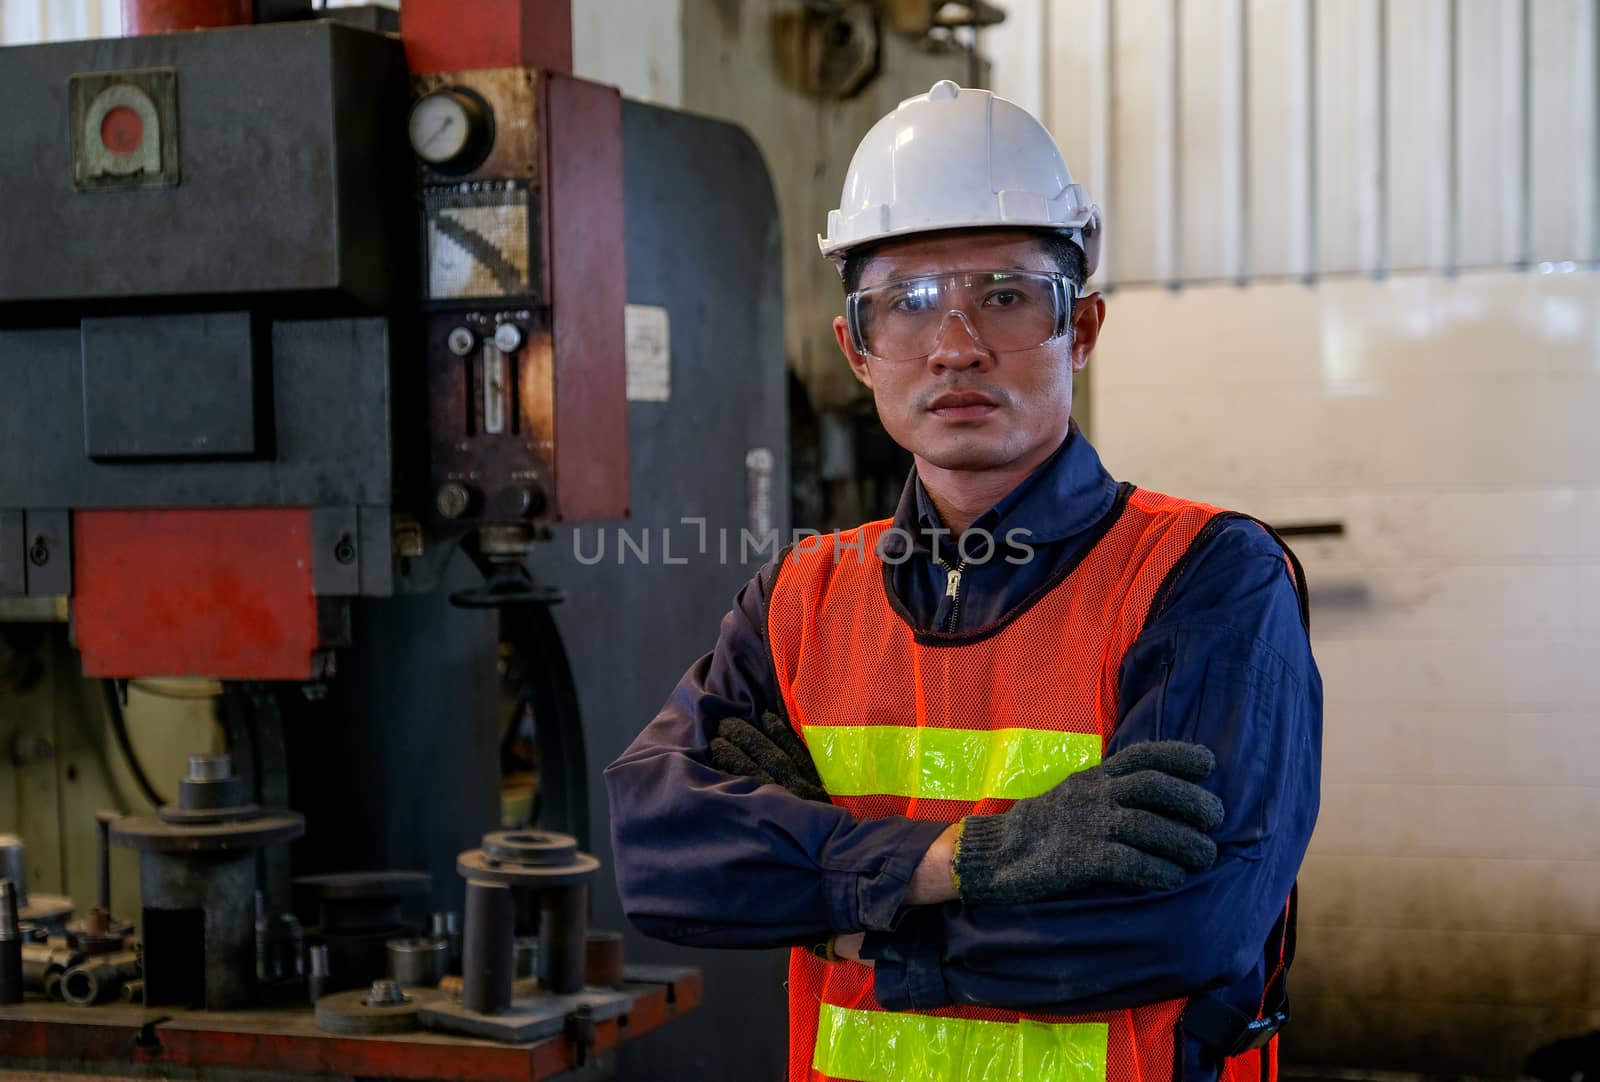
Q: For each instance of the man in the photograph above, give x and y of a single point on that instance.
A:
(1026, 774)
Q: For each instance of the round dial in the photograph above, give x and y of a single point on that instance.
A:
(450, 129)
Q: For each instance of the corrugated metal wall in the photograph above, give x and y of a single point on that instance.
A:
(23, 22)
(1236, 140)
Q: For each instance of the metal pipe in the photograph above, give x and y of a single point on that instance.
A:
(447, 926)
(318, 972)
(563, 933)
(14, 866)
(10, 945)
(487, 953)
(99, 980)
(174, 16)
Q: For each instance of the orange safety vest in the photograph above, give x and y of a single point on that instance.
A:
(939, 727)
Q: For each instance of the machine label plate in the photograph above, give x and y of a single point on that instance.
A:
(479, 240)
(124, 129)
(649, 353)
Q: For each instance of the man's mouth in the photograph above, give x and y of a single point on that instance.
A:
(962, 406)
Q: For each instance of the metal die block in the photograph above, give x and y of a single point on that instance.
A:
(176, 386)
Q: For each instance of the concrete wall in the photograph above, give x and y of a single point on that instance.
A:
(1451, 900)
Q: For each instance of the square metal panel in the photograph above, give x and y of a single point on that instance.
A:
(179, 386)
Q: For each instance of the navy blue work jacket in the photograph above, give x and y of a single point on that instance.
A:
(710, 860)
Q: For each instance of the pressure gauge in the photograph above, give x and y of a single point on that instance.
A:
(452, 129)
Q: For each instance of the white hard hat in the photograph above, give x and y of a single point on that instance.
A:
(958, 159)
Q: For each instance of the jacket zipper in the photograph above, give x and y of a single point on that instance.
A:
(952, 589)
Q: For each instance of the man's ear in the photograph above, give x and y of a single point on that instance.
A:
(1088, 317)
(858, 363)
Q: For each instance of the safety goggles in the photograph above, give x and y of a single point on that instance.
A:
(1005, 311)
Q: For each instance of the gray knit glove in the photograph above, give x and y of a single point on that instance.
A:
(1136, 820)
(769, 752)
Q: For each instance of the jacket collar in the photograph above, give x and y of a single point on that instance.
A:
(1068, 493)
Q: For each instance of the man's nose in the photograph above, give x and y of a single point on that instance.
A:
(958, 345)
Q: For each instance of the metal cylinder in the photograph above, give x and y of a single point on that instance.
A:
(487, 957)
(447, 926)
(199, 928)
(14, 866)
(603, 960)
(525, 949)
(175, 16)
(10, 945)
(563, 931)
(103, 821)
(418, 963)
(52, 985)
(317, 972)
(133, 991)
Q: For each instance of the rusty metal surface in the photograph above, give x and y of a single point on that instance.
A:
(460, 451)
(56, 1042)
(170, 16)
(588, 294)
(502, 33)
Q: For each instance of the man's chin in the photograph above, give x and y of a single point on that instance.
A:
(967, 457)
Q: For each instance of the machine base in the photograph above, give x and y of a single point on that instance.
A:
(52, 1041)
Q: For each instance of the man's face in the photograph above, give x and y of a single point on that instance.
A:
(964, 407)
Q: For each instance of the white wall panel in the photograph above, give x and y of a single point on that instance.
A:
(1279, 135)
(1418, 186)
(1143, 130)
(1562, 136)
(1264, 138)
(1210, 178)
(1490, 185)
(1349, 118)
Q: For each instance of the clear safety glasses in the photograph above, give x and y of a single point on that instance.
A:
(1003, 310)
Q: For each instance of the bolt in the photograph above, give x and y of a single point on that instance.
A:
(461, 341)
(386, 994)
(508, 338)
(344, 549)
(210, 767)
(453, 499)
(39, 553)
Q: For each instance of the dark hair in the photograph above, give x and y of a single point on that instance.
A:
(1063, 252)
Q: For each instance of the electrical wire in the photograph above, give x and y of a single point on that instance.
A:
(119, 730)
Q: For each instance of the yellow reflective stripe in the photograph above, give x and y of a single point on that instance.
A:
(946, 764)
(882, 1046)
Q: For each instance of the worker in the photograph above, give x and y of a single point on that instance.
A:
(1023, 775)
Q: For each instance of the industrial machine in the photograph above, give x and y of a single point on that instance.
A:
(322, 342)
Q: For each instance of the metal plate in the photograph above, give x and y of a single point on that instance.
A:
(531, 1018)
(153, 834)
(347, 1013)
(364, 886)
(331, 403)
(125, 129)
(175, 386)
(476, 864)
